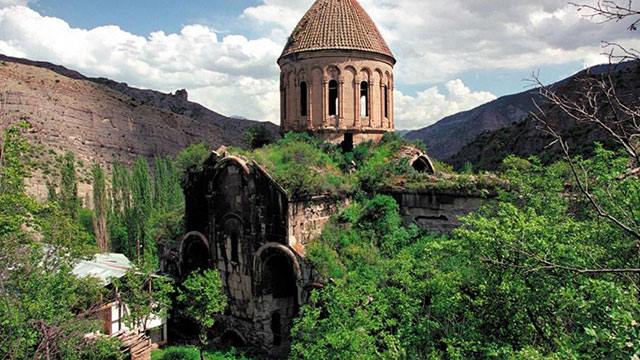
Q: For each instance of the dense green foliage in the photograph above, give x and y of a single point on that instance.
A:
(39, 297)
(258, 136)
(537, 274)
(192, 353)
(203, 298)
(146, 208)
(145, 294)
(303, 165)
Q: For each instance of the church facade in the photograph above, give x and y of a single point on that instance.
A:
(336, 77)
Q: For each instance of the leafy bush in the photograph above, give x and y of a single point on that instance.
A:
(302, 166)
(181, 353)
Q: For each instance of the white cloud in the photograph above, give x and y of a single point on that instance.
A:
(433, 41)
(431, 105)
(233, 75)
(7, 3)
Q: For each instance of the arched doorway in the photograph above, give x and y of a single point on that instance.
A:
(194, 253)
(277, 273)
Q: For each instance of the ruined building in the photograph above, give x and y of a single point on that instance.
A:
(337, 83)
(337, 75)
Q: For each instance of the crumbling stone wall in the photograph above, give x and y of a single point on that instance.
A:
(436, 211)
(242, 223)
(307, 218)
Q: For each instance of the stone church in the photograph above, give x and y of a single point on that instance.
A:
(336, 83)
(337, 75)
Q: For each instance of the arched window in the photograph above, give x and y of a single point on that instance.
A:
(333, 98)
(303, 99)
(284, 104)
(234, 248)
(364, 99)
(385, 100)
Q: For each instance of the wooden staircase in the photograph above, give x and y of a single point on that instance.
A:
(137, 345)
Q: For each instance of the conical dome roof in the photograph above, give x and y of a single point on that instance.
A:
(336, 24)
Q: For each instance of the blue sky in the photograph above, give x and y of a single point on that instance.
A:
(450, 58)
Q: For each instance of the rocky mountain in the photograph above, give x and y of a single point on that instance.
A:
(526, 138)
(448, 136)
(104, 121)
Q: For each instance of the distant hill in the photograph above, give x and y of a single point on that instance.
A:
(526, 138)
(104, 121)
(449, 135)
(445, 138)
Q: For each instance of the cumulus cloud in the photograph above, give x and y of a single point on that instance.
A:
(231, 74)
(7, 3)
(434, 43)
(431, 105)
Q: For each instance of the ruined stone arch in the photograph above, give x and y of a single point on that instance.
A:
(423, 164)
(195, 253)
(233, 160)
(261, 262)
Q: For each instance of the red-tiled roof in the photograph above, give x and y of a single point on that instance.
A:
(336, 24)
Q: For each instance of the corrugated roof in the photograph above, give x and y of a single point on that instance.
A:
(336, 24)
(103, 267)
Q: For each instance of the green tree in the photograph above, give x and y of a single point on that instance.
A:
(40, 299)
(69, 200)
(142, 206)
(191, 159)
(100, 208)
(202, 298)
(258, 136)
(146, 295)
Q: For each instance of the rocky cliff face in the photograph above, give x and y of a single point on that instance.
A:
(104, 121)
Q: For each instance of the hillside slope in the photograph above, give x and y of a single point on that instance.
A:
(445, 138)
(526, 138)
(106, 121)
(448, 136)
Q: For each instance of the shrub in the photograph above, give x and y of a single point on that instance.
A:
(181, 353)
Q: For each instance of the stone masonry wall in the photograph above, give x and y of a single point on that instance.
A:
(439, 212)
(306, 219)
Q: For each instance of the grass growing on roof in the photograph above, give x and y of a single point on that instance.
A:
(303, 165)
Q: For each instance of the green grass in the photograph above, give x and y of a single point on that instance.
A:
(192, 353)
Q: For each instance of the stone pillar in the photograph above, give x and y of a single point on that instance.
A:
(325, 101)
(283, 107)
(370, 102)
(296, 118)
(356, 91)
(391, 106)
(309, 105)
(383, 119)
(340, 101)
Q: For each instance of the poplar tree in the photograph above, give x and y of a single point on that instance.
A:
(142, 200)
(100, 204)
(68, 200)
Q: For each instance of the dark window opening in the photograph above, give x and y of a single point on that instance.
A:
(364, 99)
(279, 278)
(385, 95)
(347, 143)
(234, 248)
(284, 104)
(303, 99)
(423, 165)
(333, 98)
(276, 328)
(195, 257)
